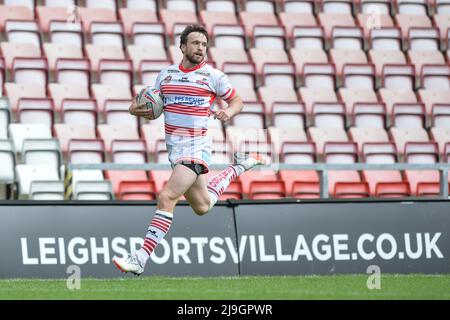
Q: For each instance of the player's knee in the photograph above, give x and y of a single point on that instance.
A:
(201, 210)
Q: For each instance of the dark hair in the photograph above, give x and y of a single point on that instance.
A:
(192, 28)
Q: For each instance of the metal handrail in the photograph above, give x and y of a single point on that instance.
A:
(323, 168)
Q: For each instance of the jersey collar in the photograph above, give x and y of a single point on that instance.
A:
(186, 70)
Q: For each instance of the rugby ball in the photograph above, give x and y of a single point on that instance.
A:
(152, 100)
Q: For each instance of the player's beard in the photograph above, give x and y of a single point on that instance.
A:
(192, 58)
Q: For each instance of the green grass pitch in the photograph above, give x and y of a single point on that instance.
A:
(348, 287)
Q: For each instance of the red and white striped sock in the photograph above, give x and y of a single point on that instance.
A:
(217, 184)
(158, 228)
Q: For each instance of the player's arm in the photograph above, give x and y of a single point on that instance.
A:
(235, 106)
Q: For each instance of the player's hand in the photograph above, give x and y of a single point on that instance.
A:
(222, 115)
(138, 110)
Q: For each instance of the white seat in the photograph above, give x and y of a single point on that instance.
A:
(93, 190)
(41, 151)
(8, 161)
(26, 173)
(21, 131)
(47, 190)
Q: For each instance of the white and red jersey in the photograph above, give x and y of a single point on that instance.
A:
(189, 96)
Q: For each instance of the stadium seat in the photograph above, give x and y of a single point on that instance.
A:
(47, 190)
(319, 76)
(307, 37)
(30, 71)
(401, 136)
(79, 111)
(131, 17)
(435, 77)
(262, 56)
(93, 190)
(256, 175)
(65, 132)
(8, 160)
(98, 52)
(61, 32)
(90, 15)
(46, 14)
(128, 151)
(238, 135)
(386, 38)
(60, 92)
(23, 31)
(298, 153)
(328, 115)
(11, 51)
(279, 75)
(398, 77)
(27, 173)
(106, 33)
(280, 135)
(139, 53)
(364, 135)
(440, 116)
(221, 6)
(391, 97)
(392, 190)
(331, 20)
(442, 137)
(109, 132)
(310, 96)
(428, 189)
(55, 51)
(379, 153)
(358, 76)
(406, 115)
(433, 97)
(288, 115)
(14, 12)
(172, 17)
(21, 131)
(41, 151)
(86, 151)
(153, 33)
(270, 95)
(386, 57)
(104, 92)
(117, 112)
(35, 110)
(292, 19)
(407, 21)
(305, 190)
(421, 58)
(301, 57)
(371, 22)
(347, 38)
(137, 190)
(267, 190)
(351, 190)
(424, 39)
(322, 135)
(369, 115)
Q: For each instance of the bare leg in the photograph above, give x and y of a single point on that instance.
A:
(198, 197)
(180, 181)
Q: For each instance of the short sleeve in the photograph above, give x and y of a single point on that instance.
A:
(158, 80)
(224, 89)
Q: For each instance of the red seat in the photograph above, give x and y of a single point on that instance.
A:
(160, 177)
(233, 191)
(428, 189)
(137, 190)
(117, 176)
(305, 190)
(291, 176)
(351, 190)
(392, 189)
(267, 190)
(256, 175)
